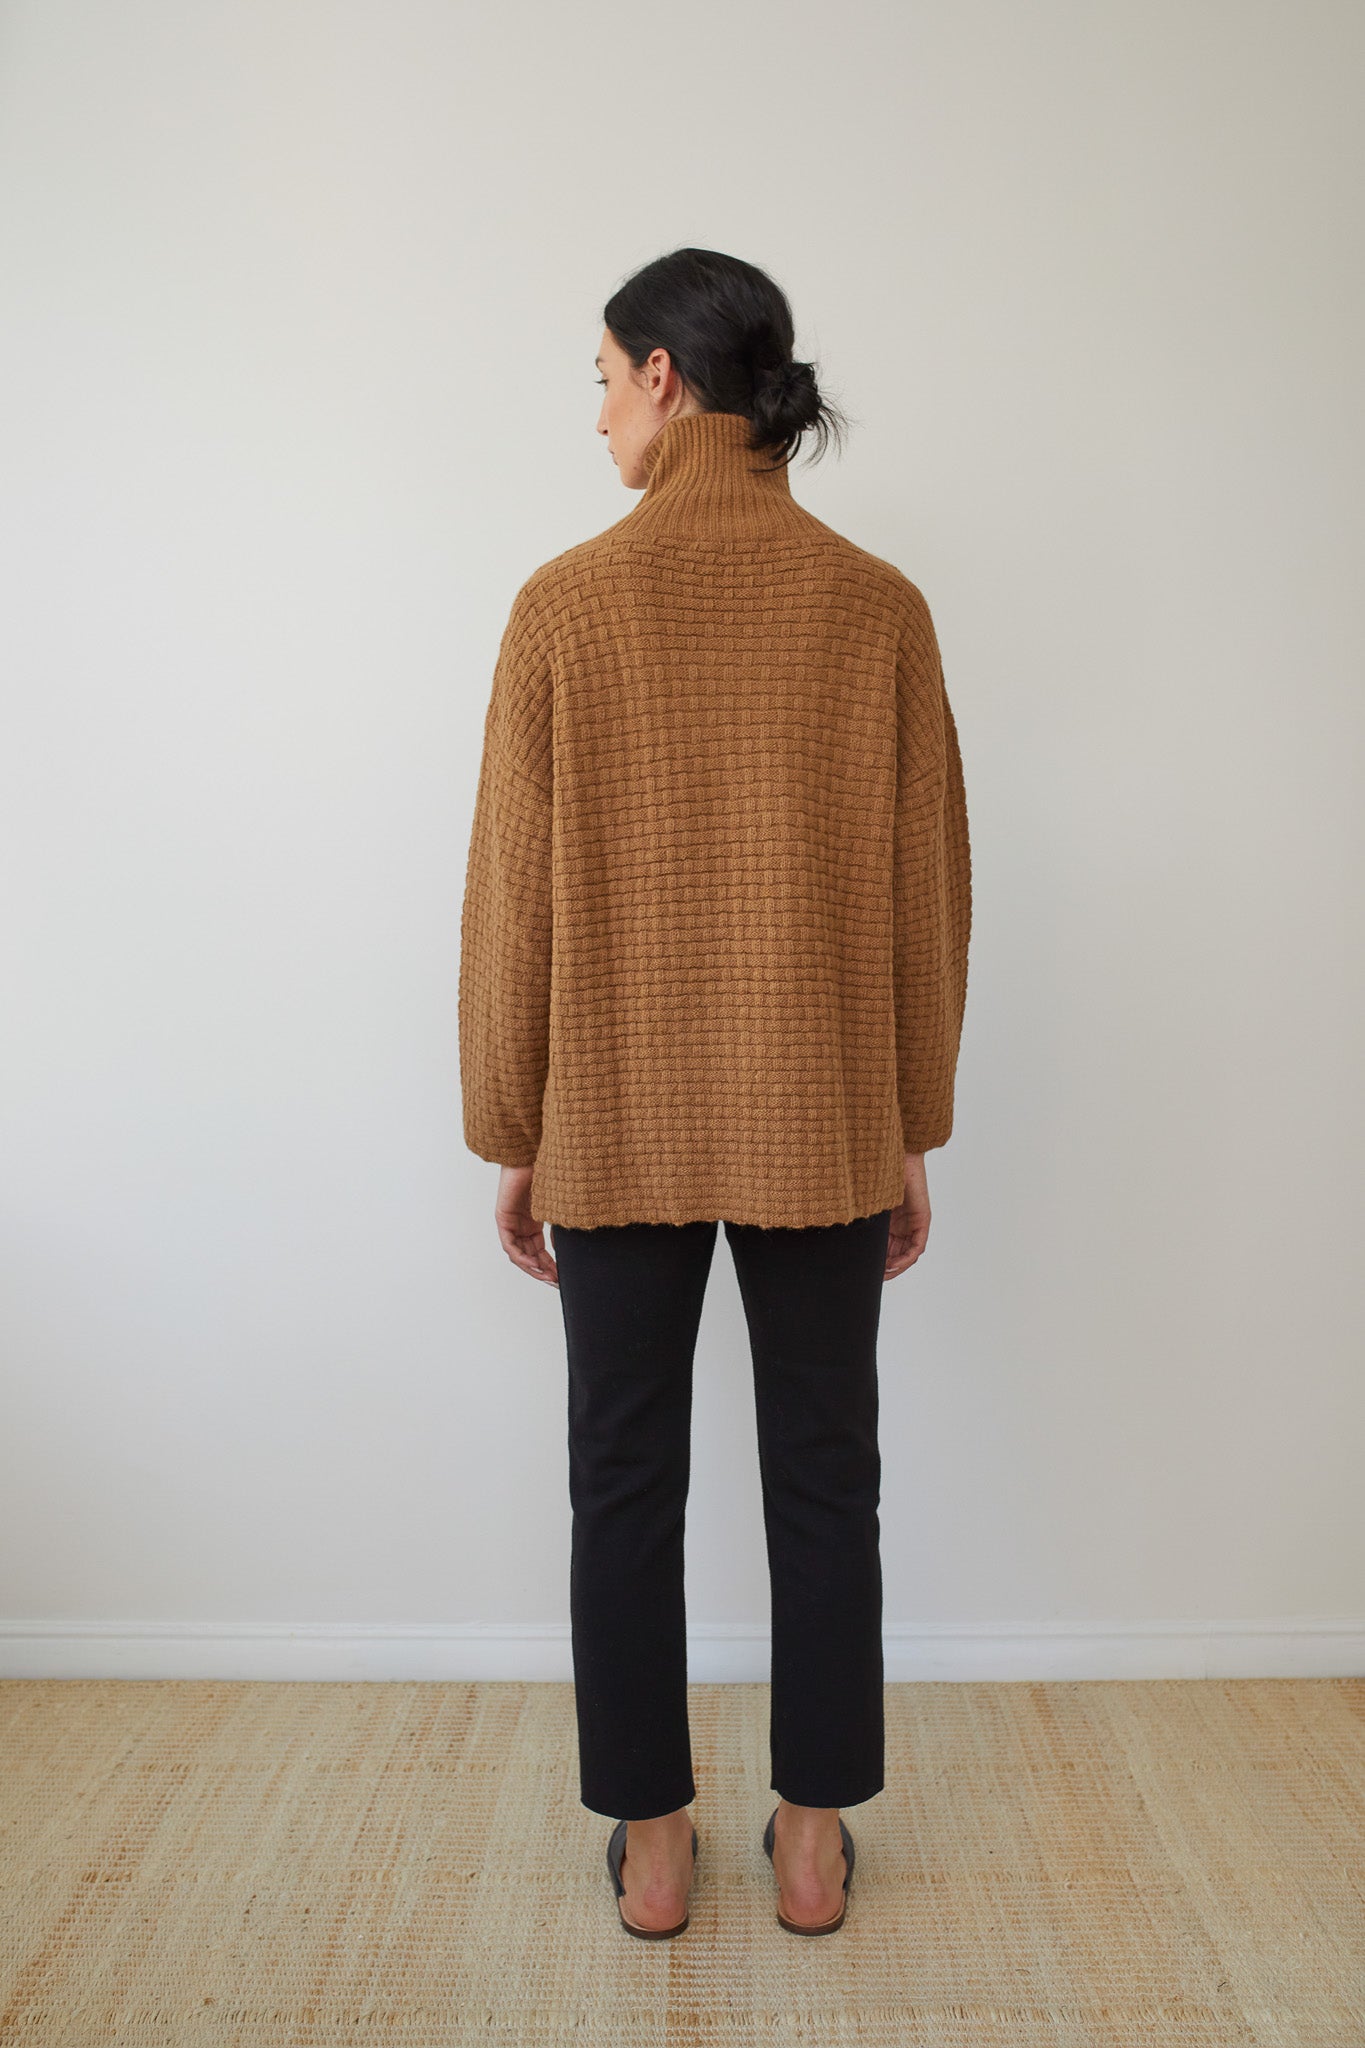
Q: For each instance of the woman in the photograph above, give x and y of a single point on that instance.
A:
(713, 968)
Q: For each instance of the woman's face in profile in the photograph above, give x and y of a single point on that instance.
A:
(635, 405)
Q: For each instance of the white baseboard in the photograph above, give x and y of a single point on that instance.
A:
(722, 1654)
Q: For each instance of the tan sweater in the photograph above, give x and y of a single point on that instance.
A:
(715, 925)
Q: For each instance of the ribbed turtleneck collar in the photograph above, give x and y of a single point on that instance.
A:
(704, 482)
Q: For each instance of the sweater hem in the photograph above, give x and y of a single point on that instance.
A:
(765, 1216)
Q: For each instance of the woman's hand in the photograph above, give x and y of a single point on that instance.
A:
(523, 1239)
(909, 1220)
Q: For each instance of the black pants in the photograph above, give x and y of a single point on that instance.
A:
(632, 1299)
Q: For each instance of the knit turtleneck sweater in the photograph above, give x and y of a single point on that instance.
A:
(718, 900)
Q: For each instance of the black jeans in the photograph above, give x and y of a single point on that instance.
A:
(632, 1299)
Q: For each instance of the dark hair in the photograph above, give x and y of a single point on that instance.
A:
(728, 329)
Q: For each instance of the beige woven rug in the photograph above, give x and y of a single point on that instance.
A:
(1100, 1865)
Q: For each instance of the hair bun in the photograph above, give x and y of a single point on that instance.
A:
(786, 399)
(783, 378)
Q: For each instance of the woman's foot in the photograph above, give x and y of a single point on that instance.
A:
(656, 1869)
(809, 1862)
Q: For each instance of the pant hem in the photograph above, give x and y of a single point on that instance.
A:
(855, 1798)
(636, 1809)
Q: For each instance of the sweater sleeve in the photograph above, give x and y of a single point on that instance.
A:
(507, 922)
(932, 889)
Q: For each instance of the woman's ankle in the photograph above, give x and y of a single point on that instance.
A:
(659, 1826)
(806, 1822)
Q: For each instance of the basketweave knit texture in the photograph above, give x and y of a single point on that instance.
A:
(718, 898)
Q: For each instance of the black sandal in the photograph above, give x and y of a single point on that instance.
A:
(616, 1856)
(824, 1926)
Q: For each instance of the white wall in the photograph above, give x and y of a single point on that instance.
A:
(300, 306)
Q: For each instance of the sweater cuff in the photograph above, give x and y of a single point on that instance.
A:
(502, 1152)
